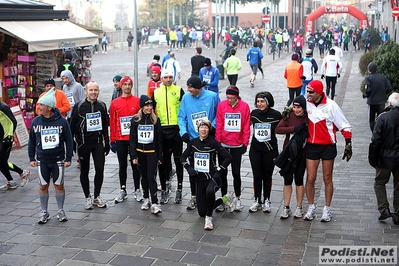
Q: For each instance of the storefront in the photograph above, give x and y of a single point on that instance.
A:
(32, 49)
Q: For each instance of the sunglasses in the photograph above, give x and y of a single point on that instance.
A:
(310, 92)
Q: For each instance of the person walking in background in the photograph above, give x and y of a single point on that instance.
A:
(8, 125)
(331, 69)
(232, 65)
(104, 42)
(233, 132)
(253, 56)
(146, 151)
(197, 61)
(129, 41)
(376, 89)
(309, 67)
(195, 105)
(325, 118)
(89, 127)
(121, 111)
(264, 148)
(210, 76)
(293, 156)
(384, 157)
(203, 168)
(50, 149)
(294, 75)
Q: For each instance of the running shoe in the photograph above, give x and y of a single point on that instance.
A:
(192, 203)
(146, 204)
(230, 201)
(89, 204)
(208, 223)
(24, 177)
(99, 202)
(121, 196)
(44, 217)
(9, 185)
(61, 216)
(285, 213)
(164, 196)
(310, 214)
(238, 205)
(255, 207)
(298, 212)
(220, 208)
(178, 197)
(138, 195)
(326, 217)
(267, 206)
(155, 209)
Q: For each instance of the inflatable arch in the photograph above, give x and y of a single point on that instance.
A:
(364, 23)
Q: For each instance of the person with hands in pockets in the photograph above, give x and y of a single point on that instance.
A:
(233, 132)
(50, 149)
(89, 127)
(121, 111)
(146, 151)
(325, 118)
(203, 150)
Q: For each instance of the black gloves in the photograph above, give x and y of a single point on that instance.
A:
(7, 141)
(300, 128)
(348, 150)
(243, 149)
(113, 147)
(322, 76)
(303, 77)
(315, 71)
(106, 149)
(286, 113)
(186, 138)
(338, 75)
(190, 170)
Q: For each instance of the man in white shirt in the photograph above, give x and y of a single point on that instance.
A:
(331, 69)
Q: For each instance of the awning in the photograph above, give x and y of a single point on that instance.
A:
(48, 35)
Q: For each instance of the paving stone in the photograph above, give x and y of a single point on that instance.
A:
(123, 260)
(11, 259)
(215, 239)
(222, 261)
(165, 254)
(213, 250)
(125, 238)
(186, 245)
(43, 261)
(95, 256)
(73, 263)
(128, 249)
(85, 243)
(100, 235)
(56, 252)
(197, 259)
(51, 240)
(23, 248)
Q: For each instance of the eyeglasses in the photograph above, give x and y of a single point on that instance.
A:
(310, 92)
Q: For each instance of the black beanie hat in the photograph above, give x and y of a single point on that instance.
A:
(267, 96)
(195, 82)
(49, 81)
(300, 101)
(144, 100)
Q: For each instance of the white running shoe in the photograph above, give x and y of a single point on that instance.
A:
(146, 204)
(230, 201)
(326, 217)
(298, 212)
(61, 216)
(310, 214)
(155, 209)
(44, 217)
(266, 206)
(138, 195)
(286, 213)
(238, 205)
(121, 196)
(99, 202)
(89, 203)
(255, 207)
(192, 203)
(24, 177)
(208, 223)
(9, 185)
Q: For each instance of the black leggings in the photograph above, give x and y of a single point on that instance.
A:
(171, 146)
(5, 166)
(233, 79)
(262, 168)
(148, 169)
(97, 152)
(206, 202)
(330, 84)
(296, 173)
(293, 92)
(235, 168)
(122, 152)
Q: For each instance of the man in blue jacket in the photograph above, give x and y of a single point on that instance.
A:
(254, 55)
(210, 76)
(49, 135)
(196, 104)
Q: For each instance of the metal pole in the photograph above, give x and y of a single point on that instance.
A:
(167, 14)
(135, 60)
(121, 9)
(216, 29)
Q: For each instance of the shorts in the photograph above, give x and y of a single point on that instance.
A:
(254, 69)
(324, 152)
(53, 170)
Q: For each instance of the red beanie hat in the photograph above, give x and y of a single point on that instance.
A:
(125, 79)
(316, 86)
(156, 69)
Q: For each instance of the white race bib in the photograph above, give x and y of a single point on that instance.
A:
(69, 95)
(125, 125)
(50, 138)
(197, 117)
(232, 122)
(145, 134)
(207, 78)
(262, 132)
(94, 122)
(201, 162)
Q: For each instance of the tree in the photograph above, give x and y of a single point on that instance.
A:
(71, 15)
(92, 18)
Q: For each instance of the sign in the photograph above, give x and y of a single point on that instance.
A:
(395, 12)
(266, 18)
(21, 136)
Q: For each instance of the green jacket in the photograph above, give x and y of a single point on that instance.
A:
(232, 65)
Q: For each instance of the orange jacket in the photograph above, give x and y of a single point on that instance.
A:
(293, 73)
(61, 102)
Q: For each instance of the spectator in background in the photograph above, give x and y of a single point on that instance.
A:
(117, 89)
(67, 65)
(232, 66)
(129, 41)
(197, 61)
(104, 42)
